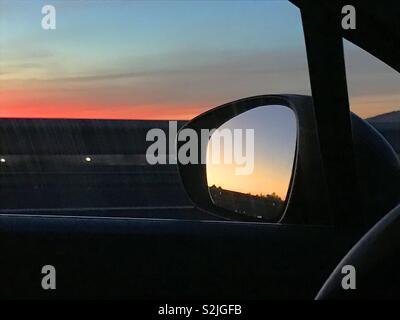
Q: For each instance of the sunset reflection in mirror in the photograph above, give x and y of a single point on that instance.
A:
(262, 192)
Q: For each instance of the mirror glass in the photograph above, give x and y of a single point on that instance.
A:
(250, 161)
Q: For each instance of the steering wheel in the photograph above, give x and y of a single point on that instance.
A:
(376, 262)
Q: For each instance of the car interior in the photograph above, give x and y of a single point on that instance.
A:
(79, 194)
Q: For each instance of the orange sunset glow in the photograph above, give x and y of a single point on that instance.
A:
(77, 111)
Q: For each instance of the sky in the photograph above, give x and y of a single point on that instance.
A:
(373, 86)
(146, 59)
(163, 59)
(275, 137)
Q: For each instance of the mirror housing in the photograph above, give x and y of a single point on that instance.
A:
(311, 206)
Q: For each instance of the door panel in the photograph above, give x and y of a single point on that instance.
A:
(137, 258)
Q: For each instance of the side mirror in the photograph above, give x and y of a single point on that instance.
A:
(286, 181)
(256, 149)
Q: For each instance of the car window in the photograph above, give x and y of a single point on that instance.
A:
(78, 94)
(374, 92)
